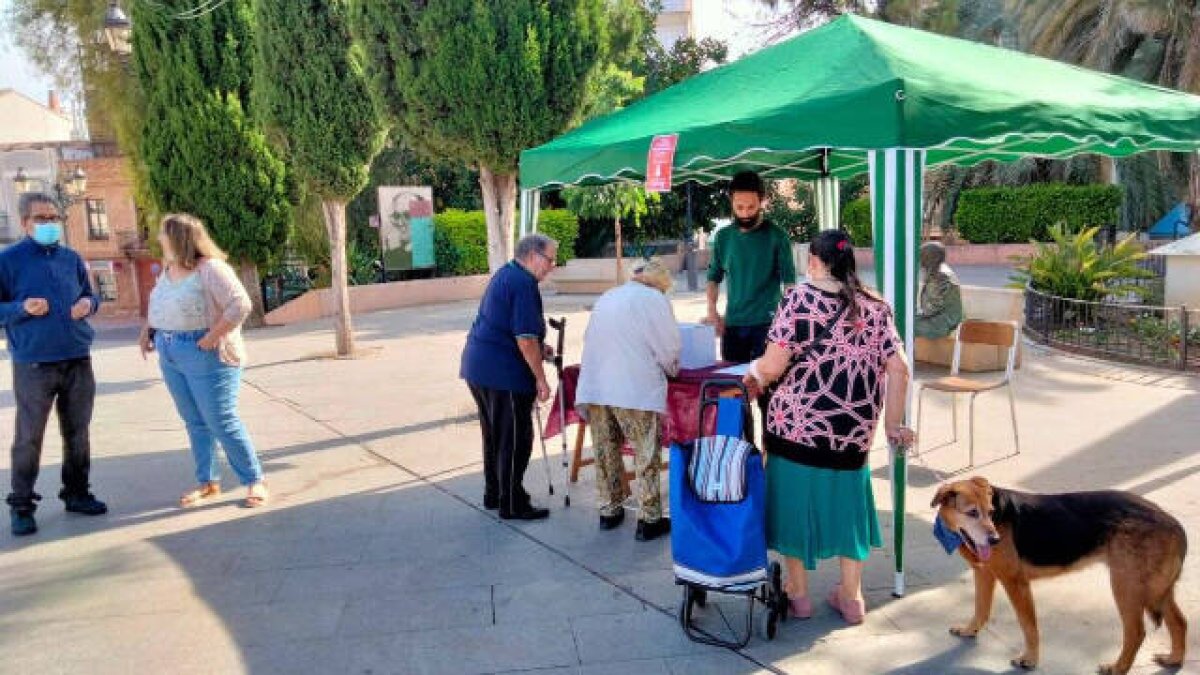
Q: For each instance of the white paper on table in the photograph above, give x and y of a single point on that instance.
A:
(740, 370)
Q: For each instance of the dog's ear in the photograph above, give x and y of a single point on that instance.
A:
(943, 495)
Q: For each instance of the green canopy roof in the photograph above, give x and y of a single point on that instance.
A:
(829, 95)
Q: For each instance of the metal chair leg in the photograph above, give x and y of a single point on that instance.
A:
(917, 429)
(1012, 408)
(954, 416)
(971, 431)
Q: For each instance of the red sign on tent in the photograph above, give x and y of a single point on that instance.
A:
(659, 161)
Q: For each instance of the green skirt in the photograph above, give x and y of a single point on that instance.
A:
(814, 514)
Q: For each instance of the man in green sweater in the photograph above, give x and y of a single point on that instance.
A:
(754, 257)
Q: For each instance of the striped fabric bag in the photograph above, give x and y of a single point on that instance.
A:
(717, 470)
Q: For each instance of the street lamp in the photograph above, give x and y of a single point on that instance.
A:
(76, 185)
(66, 193)
(23, 183)
(117, 29)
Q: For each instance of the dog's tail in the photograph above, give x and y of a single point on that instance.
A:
(1163, 592)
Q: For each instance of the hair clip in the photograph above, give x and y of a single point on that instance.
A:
(841, 245)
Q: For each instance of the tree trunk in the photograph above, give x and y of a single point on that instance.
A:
(1110, 176)
(1193, 196)
(499, 206)
(248, 272)
(335, 226)
(620, 246)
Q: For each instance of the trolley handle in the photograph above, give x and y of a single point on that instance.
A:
(721, 385)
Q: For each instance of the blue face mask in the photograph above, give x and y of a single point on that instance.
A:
(949, 539)
(47, 234)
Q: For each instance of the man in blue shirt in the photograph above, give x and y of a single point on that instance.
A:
(45, 300)
(502, 364)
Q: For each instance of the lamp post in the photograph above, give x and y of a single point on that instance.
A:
(117, 29)
(66, 193)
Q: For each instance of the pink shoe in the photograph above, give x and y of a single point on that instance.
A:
(852, 611)
(800, 607)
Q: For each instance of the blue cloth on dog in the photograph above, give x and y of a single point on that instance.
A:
(949, 539)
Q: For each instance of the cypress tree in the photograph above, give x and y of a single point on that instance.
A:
(312, 92)
(479, 81)
(199, 147)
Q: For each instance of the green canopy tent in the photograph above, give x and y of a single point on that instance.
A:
(858, 95)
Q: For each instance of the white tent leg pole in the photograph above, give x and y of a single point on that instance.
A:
(535, 207)
(827, 194)
(896, 195)
(523, 209)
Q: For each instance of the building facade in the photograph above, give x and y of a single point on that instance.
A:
(101, 224)
(103, 227)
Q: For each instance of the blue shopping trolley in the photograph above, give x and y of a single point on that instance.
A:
(718, 516)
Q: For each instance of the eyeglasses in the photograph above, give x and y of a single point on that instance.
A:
(547, 258)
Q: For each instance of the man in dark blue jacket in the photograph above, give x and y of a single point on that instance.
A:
(45, 300)
(502, 364)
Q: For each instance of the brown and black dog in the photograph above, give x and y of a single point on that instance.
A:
(1016, 537)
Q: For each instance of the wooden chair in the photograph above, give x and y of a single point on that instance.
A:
(1005, 334)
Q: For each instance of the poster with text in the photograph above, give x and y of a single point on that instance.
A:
(406, 227)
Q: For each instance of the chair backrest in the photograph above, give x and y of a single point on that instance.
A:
(997, 333)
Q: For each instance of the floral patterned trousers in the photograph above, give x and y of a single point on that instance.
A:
(611, 428)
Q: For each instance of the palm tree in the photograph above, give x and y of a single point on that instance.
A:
(1151, 40)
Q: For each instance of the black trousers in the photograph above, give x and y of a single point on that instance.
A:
(70, 388)
(506, 420)
(742, 344)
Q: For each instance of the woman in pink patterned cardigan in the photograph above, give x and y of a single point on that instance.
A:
(834, 356)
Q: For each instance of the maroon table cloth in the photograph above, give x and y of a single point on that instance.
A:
(683, 402)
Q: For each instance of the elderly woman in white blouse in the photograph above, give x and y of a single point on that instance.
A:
(195, 324)
(631, 346)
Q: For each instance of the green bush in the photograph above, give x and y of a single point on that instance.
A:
(562, 226)
(446, 255)
(1074, 266)
(466, 233)
(856, 220)
(460, 239)
(1020, 214)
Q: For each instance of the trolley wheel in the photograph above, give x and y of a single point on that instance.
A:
(768, 623)
(779, 599)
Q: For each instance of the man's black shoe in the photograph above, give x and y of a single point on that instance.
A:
(528, 513)
(87, 504)
(23, 523)
(613, 521)
(491, 503)
(649, 531)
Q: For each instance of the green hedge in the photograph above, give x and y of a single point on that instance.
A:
(856, 220)
(460, 239)
(561, 226)
(460, 242)
(1021, 214)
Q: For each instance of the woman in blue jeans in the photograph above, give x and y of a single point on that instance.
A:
(194, 323)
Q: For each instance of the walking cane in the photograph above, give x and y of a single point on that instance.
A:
(560, 325)
(537, 411)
